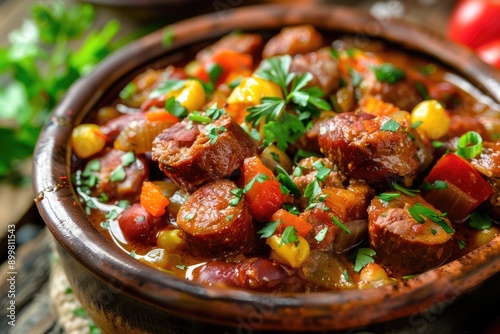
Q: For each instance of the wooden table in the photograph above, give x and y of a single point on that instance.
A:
(36, 312)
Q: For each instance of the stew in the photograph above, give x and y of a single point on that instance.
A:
(296, 163)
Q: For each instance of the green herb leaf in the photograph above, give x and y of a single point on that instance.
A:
(181, 266)
(118, 174)
(387, 197)
(286, 180)
(289, 235)
(321, 234)
(268, 230)
(406, 191)
(340, 224)
(364, 256)
(390, 125)
(387, 72)
(322, 171)
(128, 158)
(175, 108)
(312, 190)
(166, 87)
(128, 91)
(418, 211)
(214, 132)
(480, 220)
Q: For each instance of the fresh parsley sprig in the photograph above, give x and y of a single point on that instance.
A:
(286, 118)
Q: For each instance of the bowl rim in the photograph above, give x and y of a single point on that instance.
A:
(65, 219)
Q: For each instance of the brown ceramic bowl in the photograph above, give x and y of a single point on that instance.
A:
(123, 295)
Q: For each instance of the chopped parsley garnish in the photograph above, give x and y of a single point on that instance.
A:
(175, 108)
(197, 117)
(118, 174)
(387, 197)
(406, 191)
(168, 37)
(356, 77)
(387, 72)
(416, 124)
(128, 90)
(238, 192)
(437, 144)
(181, 266)
(132, 253)
(268, 230)
(285, 179)
(312, 190)
(189, 216)
(461, 244)
(345, 275)
(166, 87)
(229, 217)
(480, 220)
(419, 212)
(438, 185)
(364, 256)
(340, 224)
(285, 126)
(321, 234)
(214, 112)
(214, 132)
(128, 158)
(322, 170)
(422, 90)
(105, 224)
(275, 157)
(214, 71)
(289, 235)
(390, 125)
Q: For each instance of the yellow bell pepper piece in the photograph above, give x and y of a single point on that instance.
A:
(292, 254)
(435, 119)
(251, 90)
(192, 96)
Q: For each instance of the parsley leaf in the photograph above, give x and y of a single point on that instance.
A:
(480, 220)
(166, 87)
(418, 211)
(387, 72)
(268, 230)
(287, 181)
(387, 197)
(175, 108)
(289, 235)
(340, 224)
(364, 256)
(390, 125)
(214, 132)
(406, 191)
(321, 234)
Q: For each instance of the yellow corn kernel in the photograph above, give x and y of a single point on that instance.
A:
(87, 140)
(171, 239)
(435, 119)
(484, 236)
(372, 273)
(251, 90)
(292, 254)
(192, 96)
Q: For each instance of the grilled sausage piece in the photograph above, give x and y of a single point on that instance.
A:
(404, 245)
(213, 226)
(190, 156)
(293, 40)
(128, 187)
(358, 146)
(139, 226)
(402, 94)
(488, 164)
(253, 273)
(241, 43)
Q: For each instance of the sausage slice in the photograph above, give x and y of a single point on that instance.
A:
(213, 226)
(404, 245)
(188, 155)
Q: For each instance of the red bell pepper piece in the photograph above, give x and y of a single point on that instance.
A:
(466, 188)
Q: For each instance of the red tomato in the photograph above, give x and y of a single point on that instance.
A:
(490, 52)
(475, 22)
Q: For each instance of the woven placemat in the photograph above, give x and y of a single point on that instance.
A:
(71, 315)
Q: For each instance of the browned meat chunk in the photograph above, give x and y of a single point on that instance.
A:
(241, 43)
(323, 68)
(213, 226)
(253, 273)
(293, 41)
(403, 93)
(190, 156)
(404, 245)
(113, 128)
(320, 219)
(488, 164)
(118, 181)
(460, 125)
(362, 150)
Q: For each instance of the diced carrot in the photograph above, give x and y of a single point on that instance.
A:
(161, 115)
(227, 59)
(302, 226)
(152, 199)
(264, 198)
